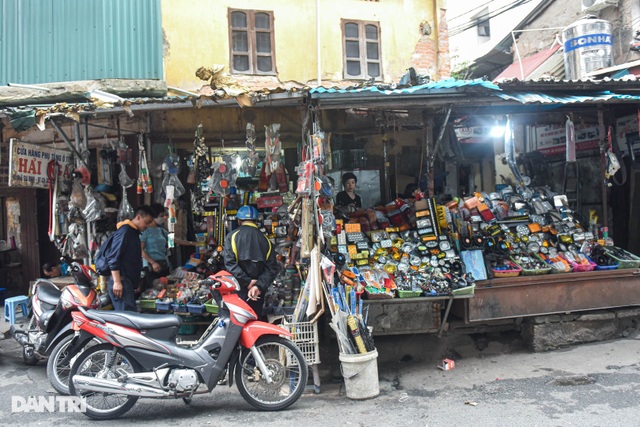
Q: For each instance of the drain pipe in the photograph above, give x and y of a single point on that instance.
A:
(318, 46)
(436, 32)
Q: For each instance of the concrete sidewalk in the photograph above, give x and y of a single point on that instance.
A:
(496, 382)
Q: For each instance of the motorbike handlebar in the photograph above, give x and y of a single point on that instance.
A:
(210, 283)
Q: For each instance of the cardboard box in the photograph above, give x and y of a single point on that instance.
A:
(447, 365)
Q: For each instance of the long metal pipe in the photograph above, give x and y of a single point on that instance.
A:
(66, 140)
(318, 44)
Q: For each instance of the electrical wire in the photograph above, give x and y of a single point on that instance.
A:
(484, 18)
(470, 10)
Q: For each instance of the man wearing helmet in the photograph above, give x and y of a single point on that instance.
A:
(250, 257)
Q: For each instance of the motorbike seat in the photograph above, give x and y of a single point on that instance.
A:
(48, 292)
(135, 320)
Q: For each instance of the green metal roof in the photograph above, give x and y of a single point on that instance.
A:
(43, 41)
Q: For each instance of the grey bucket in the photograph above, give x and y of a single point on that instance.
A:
(360, 373)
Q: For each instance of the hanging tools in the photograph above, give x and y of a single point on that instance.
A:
(144, 181)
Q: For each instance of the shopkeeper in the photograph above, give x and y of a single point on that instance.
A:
(154, 244)
(181, 232)
(348, 198)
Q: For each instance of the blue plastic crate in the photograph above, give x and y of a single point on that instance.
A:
(195, 308)
(163, 307)
(178, 308)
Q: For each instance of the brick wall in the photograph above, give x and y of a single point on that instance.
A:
(423, 58)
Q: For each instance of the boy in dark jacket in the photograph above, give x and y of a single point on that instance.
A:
(124, 257)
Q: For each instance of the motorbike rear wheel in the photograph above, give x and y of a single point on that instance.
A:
(58, 373)
(288, 370)
(99, 362)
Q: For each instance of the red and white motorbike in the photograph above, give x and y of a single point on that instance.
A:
(141, 358)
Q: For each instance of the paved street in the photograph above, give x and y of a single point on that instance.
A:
(502, 385)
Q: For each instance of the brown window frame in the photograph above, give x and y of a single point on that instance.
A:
(362, 43)
(252, 52)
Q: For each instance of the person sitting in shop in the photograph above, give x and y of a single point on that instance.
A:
(183, 244)
(52, 269)
(348, 198)
(153, 242)
(251, 258)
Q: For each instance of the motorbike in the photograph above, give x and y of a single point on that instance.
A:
(141, 357)
(49, 329)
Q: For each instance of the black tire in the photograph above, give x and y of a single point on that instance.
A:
(29, 356)
(98, 360)
(59, 374)
(289, 373)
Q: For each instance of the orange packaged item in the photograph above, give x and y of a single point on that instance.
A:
(352, 227)
(534, 227)
(471, 202)
(348, 273)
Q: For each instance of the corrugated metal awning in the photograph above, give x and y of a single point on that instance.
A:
(322, 92)
(545, 98)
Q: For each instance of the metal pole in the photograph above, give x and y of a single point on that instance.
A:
(515, 44)
(66, 140)
(386, 171)
(603, 166)
(318, 46)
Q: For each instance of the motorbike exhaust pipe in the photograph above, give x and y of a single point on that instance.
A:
(19, 335)
(84, 383)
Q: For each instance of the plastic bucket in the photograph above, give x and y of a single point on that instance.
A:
(360, 373)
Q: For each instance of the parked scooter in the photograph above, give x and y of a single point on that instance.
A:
(49, 326)
(140, 357)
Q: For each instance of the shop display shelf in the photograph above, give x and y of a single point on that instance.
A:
(179, 308)
(634, 262)
(195, 308)
(511, 272)
(408, 294)
(163, 307)
(606, 267)
(582, 267)
(378, 295)
(532, 271)
(467, 290)
(147, 304)
(211, 307)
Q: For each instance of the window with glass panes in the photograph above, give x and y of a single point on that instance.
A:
(361, 50)
(251, 42)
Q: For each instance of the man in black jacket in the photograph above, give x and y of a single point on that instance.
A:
(250, 257)
(124, 257)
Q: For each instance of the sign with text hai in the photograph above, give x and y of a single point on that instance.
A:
(29, 164)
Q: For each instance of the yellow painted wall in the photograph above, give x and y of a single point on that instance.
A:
(196, 34)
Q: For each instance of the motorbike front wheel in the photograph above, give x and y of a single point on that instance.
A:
(288, 370)
(58, 373)
(101, 361)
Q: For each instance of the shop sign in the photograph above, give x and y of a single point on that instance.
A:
(627, 127)
(552, 139)
(473, 134)
(4, 165)
(29, 164)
